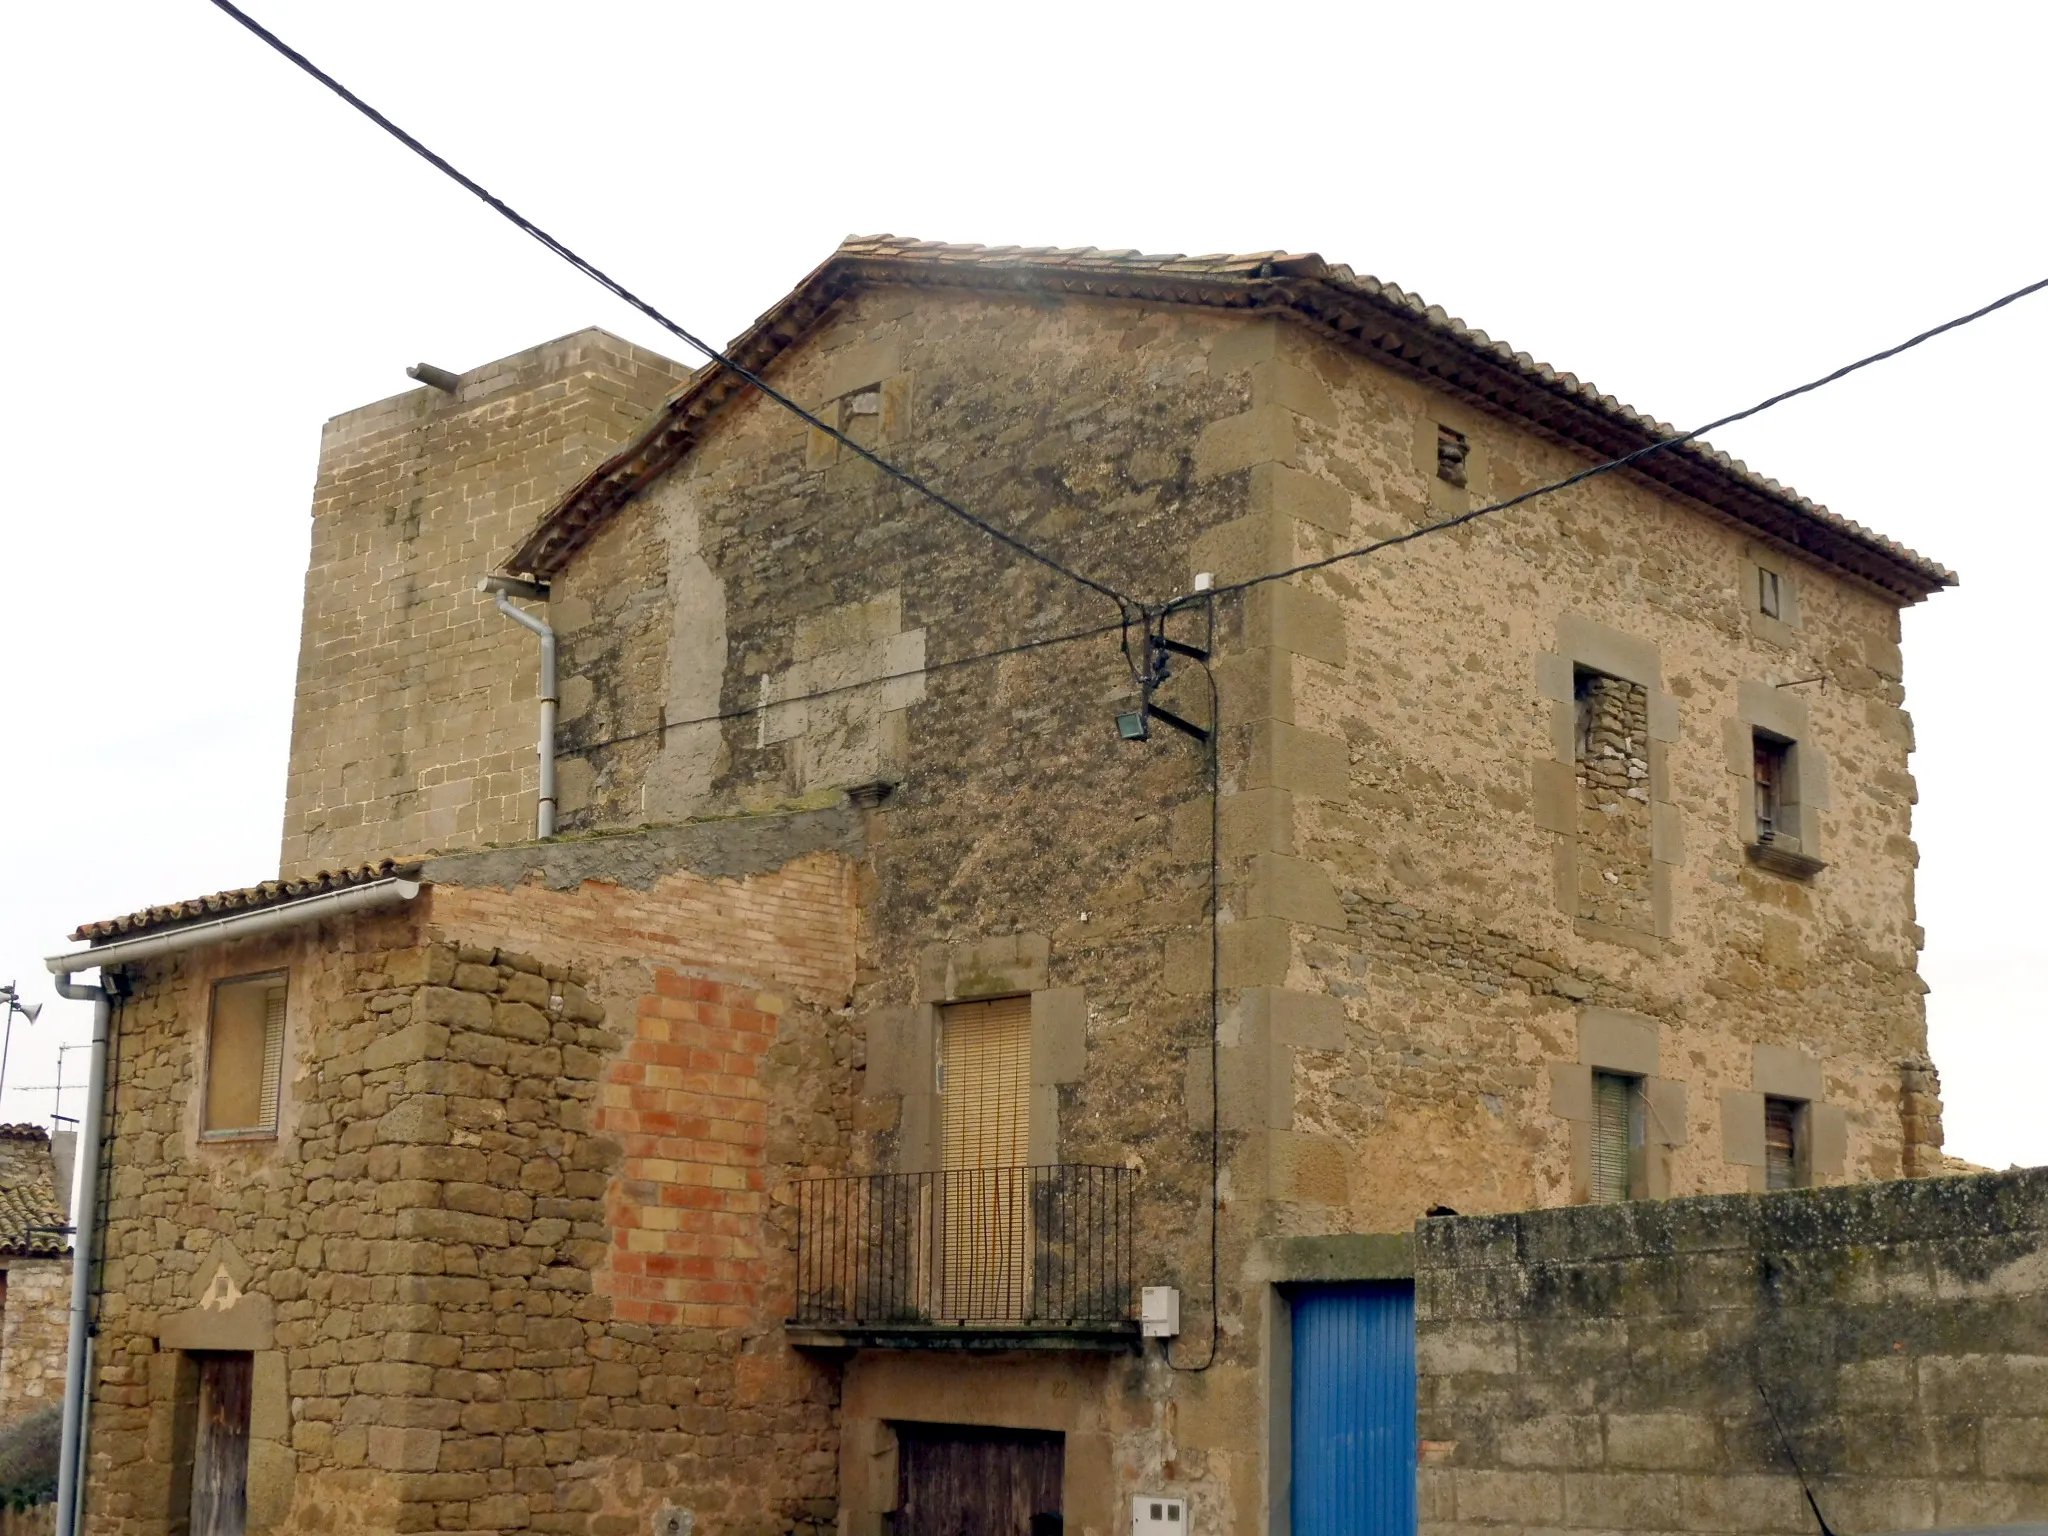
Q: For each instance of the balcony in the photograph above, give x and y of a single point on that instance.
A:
(976, 1258)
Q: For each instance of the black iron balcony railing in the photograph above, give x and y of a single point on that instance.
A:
(992, 1248)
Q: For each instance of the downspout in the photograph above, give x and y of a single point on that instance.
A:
(506, 588)
(85, 1224)
(108, 958)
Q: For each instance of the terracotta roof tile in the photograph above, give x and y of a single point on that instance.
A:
(31, 1220)
(1359, 309)
(270, 893)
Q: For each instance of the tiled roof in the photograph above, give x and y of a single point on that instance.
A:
(1359, 311)
(30, 1217)
(270, 893)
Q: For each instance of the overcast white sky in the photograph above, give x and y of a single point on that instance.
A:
(207, 256)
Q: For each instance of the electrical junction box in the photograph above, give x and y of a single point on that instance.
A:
(1159, 1312)
(1154, 1515)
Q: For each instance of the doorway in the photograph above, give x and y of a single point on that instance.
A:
(220, 1445)
(961, 1480)
(1353, 1402)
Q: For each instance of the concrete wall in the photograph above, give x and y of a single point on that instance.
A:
(1599, 1368)
(517, 1257)
(415, 717)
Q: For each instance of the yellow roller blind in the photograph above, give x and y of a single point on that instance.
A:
(985, 1092)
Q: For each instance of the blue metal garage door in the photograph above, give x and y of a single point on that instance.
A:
(1354, 1410)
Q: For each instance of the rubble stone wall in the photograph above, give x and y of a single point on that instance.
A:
(33, 1333)
(518, 1256)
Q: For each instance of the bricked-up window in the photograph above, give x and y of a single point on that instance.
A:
(244, 1057)
(1785, 1163)
(1451, 452)
(1769, 599)
(1617, 1171)
(1613, 863)
(1777, 815)
(860, 414)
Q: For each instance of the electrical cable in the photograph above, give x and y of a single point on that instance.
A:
(1636, 456)
(747, 710)
(1213, 753)
(596, 274)
(1792, 1456)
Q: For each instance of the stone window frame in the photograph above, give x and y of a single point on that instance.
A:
(1784, 630)
(903, 1043)
(850, 371)
(1615, 1040)
(210, 993)
(1782, 714)
(1586, 646)
(1784, 1072)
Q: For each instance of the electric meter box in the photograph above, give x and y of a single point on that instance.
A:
(1155, 1515)
(1159, 1312)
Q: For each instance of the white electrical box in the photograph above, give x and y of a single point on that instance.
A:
(1159, 1312)
(1155, 1515)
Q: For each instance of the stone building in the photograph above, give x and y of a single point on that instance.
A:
(35, 1272)
(787, 1142)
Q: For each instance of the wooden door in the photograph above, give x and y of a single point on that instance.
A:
(960, 1480)
(220, 1450)
(1354, 1434)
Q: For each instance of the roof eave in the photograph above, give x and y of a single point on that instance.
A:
(1364, 316)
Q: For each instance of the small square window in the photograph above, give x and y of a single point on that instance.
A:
(1451, 452)
(1769, 597)
(244, 1057)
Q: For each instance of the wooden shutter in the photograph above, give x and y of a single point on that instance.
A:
(1613, 1097)
(985, 1092)
(1781, 1144)
(273, 1056)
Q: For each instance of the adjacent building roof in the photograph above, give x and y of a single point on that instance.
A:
(270, 893)
(31, 1219)
(1352, 309)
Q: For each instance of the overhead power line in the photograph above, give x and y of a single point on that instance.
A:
(1637, 456)
(747, 710)
(597, 274)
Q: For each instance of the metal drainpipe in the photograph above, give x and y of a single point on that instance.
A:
(506, 588)
(85, 1224)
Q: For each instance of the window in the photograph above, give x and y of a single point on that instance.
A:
(1776, 804)
(1617, 1172)
(985, 1141)
(244, 1057)
(1769, 598)
(1451, 452)
(1785, 1161)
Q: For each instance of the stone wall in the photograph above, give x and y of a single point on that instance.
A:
(1600, 1369)
(34, 1328)
(415, 716)
(518, 1255)
(1419, 945)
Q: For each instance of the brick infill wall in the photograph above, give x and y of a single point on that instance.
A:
(686, 1104)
